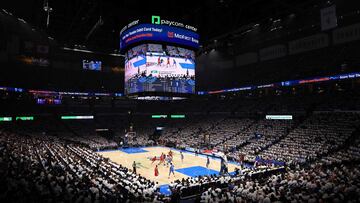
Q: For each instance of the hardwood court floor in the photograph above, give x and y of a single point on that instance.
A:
(145, 168)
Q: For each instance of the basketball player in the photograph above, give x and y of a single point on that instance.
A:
(171, 170)
(170, 153)
(153, 159)
(168, 160)
(161, 61)
(162, 158)
(156, 171)
(207, 162)
(168, 62)
(182, 157)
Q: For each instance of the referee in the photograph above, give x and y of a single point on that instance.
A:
(134, 167)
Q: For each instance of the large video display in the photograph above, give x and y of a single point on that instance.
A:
(92, 65)
(159, 68)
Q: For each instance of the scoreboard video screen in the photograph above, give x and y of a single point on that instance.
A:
(159, 68)
(92, 65)
(159, 56)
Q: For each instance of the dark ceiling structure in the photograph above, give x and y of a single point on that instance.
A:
(73, 21)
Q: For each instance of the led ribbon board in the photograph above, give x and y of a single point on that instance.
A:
(158, 33)
(177, 116)
(76, 117)
(279, 117)
(24, 118)
(101, 130)
(5, 119)
(158, 116)
(171, 116)
(288, 83)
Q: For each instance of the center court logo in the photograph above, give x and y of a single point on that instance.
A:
(155, 20)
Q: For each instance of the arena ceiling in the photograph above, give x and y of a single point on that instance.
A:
(72, 20)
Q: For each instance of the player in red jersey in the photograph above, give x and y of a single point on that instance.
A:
(162, 158)
(156, 171)
(168, 62)
(170, 154)
(153, 159)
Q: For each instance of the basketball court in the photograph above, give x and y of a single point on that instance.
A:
(191, 166)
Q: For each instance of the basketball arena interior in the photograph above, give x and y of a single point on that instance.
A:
(180, 101)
